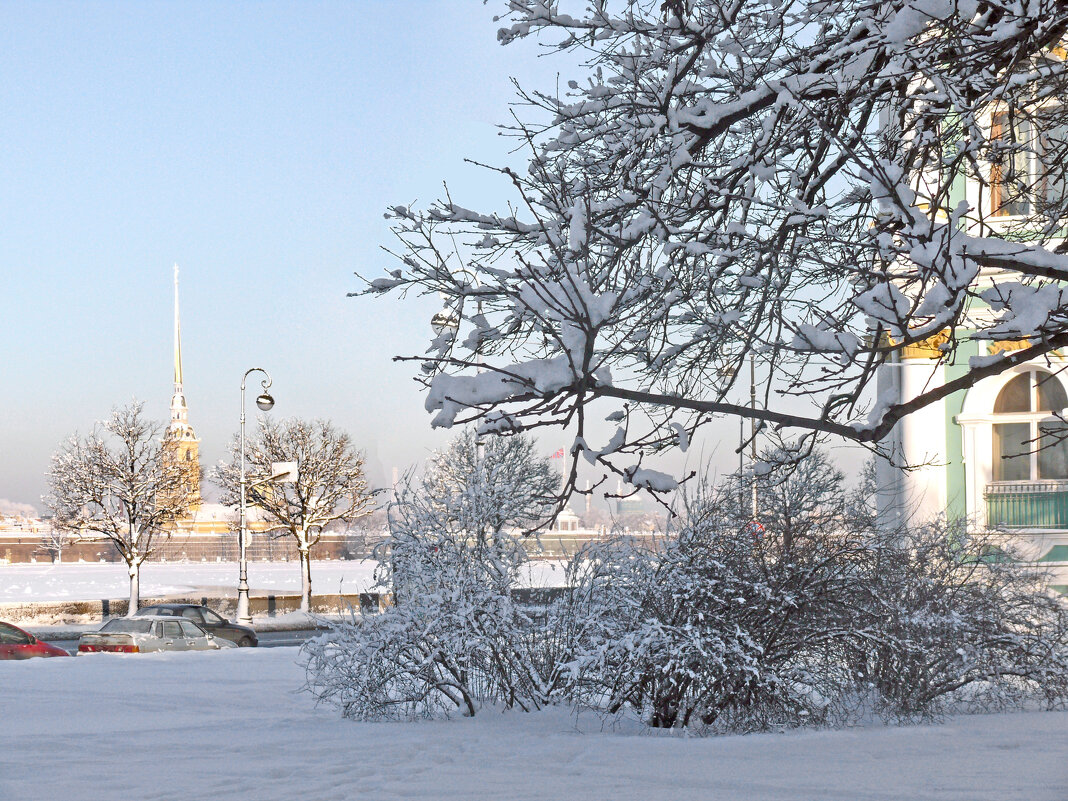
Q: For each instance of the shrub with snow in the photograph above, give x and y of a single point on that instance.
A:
(956, 622)
(724, 627)
(817, 617)
(455, 639)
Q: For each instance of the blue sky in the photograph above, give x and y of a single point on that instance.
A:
(256, 145)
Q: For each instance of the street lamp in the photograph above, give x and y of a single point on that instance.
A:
(445, 320)
(265, 403)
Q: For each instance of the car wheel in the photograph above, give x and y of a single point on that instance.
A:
(244, 642)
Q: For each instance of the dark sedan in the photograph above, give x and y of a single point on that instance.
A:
(207, 620)
(18, 644)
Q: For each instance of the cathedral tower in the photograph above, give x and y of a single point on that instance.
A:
(180, 436)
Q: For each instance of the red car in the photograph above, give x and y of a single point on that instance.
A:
(18, 644)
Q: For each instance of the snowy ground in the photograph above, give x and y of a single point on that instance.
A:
(106, 727)
(91, 581)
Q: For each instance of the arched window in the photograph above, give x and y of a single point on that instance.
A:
(1030, 444)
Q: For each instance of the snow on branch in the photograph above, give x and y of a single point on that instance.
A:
(812, 187)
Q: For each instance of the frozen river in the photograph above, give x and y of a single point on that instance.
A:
(84, 581)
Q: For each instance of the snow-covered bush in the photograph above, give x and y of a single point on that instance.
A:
(455, 638)
(445, 645)
(725, 626)
(815, 617)
(956, 622)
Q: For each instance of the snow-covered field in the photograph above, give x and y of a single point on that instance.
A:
(92, 581)
(233, 724)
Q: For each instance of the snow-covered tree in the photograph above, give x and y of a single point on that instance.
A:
(119, 483)
(455, 638)
(55, 539)
(492, 484)
(330, 484)
(728, 180)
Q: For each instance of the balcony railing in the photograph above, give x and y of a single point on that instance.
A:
(1027, 504)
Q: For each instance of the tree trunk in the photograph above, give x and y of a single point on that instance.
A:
(135, 588)
(305, 577)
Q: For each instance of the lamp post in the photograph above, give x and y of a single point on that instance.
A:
(727, 372)
(265, 403)
(752, 439)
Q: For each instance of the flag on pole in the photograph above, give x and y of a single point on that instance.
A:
(558, 454)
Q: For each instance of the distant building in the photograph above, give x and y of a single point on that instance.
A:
(629, 505)
(207, 533)
(180, 440)
(568, 536)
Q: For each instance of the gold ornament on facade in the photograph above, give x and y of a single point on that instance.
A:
(1007, 346)
(1010, 345)
(933, 347)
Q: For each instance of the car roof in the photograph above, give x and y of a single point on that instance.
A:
(156, 617)
(175, 606)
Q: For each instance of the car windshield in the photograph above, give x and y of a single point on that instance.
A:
(128, 626)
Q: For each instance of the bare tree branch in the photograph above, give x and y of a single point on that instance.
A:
(815, 186)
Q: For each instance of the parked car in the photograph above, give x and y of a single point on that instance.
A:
(207, 620)
(134, 635)
(18, 644)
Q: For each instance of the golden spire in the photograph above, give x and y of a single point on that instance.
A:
(179, 426)
(177, 339)
(183, 443)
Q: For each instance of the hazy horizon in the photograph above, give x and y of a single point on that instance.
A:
(256, 146)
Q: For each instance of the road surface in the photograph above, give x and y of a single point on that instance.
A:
(268, 639)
